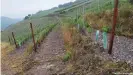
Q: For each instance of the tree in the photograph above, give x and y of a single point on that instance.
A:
(131, 1)
(65, 5)
(27, 17)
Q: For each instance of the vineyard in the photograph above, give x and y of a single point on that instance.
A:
(71, 40)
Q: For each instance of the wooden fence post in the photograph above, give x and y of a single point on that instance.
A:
(113, 28)
(33, 37)
(14, 40)
(9, 39)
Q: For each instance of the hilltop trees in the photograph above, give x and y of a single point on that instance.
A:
(27, 17)
(131, 1)
(65, 5)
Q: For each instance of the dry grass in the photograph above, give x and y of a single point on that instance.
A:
(16, 63)
(88, 62)
(29, 49)
(6, 48)
(124, 24)
(67, 35)
(68, 32)
(98, 20)
(85, 60)
(12, 62)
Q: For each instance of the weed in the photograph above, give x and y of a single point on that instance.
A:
(6, 48)
(29, 49)
(67, 56)
(103, 20)
(84, 60)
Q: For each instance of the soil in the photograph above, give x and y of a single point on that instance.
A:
(122, 48)
(7, 63)
(49, 54)
(40, 63)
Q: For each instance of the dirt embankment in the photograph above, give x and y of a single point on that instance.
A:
(86, 57)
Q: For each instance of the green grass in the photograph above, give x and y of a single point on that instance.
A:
(104, 10)
(67, 56)
(75, 10)
(40, 36)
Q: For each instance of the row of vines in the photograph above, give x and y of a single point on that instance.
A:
(22, 33)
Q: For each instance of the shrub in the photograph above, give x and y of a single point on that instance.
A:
(67, 56)
(29, 49)
(131, 1)
(105, 28)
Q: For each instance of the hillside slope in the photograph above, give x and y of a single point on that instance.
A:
(69, 49)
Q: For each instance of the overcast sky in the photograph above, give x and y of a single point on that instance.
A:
(20, 8)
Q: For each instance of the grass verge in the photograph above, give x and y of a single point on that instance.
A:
(84, 59)
(104, 19)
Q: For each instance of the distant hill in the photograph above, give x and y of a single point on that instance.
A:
(6, 21)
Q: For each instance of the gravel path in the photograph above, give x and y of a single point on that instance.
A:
(51, 48)
(122, 48)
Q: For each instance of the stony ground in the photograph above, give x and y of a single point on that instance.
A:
(122, 48)
(48, 54)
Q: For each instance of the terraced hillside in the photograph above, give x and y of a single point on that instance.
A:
(63, 41)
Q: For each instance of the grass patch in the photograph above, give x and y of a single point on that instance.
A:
(103, 20)
(67, 56)
(29, 49)
(84, 59)
(6, 48)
